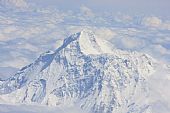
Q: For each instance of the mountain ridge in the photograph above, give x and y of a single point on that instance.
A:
(101, 82)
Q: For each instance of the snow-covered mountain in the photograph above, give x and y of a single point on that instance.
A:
(84, 71)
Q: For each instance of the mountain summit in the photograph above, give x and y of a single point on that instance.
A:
(84, 71)
(88, 43)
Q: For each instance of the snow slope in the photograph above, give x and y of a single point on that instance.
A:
(84, 71)
(159, 84)
(37, 109)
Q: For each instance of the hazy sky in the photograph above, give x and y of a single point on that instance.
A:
(147, 7)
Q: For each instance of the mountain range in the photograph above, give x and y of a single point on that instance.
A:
(84, 71)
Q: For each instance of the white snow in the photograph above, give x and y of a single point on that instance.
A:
(5, 108)
(25, 34)
(90, 44)
(87, 46)
(159, 89)
(75, 74)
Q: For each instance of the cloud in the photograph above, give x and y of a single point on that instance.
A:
(105, 33)
(155, 22)
(160, 49)
(9, 29)
(6, 20)
(132, 43)
(162, 40)
(123, 18)
(6, 72)
(33, 33)
(166, 25)
(3, 37)
(86, 11)
(18, 62)
(152, 21)
(28, 46)
(14, 3)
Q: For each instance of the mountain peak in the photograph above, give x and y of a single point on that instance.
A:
(88, 43)
(73, 76)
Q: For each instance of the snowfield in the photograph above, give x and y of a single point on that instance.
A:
(4, 108)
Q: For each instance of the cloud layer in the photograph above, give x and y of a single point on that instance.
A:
(24, 35)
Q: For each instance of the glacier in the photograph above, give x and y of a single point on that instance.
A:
(84, 71)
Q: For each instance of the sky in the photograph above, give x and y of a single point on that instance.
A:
(143, 7)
